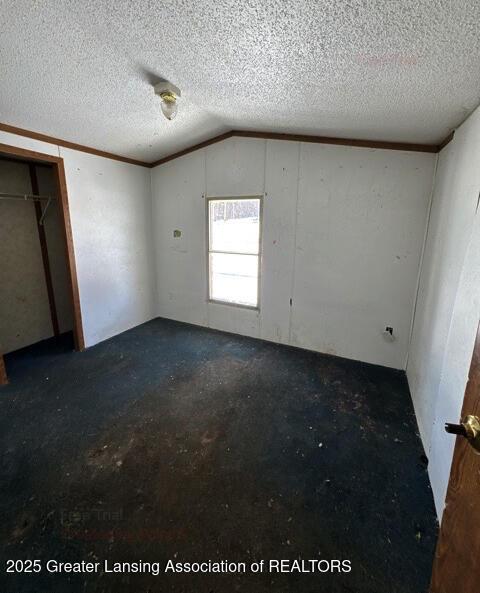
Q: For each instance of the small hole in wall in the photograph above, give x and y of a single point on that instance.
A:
(177, 233)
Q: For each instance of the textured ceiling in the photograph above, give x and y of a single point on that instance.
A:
(82, 70)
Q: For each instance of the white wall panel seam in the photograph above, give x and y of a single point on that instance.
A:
(292, 288)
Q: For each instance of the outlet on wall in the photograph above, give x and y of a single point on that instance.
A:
(388, 333)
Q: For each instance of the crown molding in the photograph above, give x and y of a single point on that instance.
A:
(446, 140)
(72, 145)
(198, 146)
(378, 144)
(386, 145)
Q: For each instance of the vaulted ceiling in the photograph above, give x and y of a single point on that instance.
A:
(82, 70)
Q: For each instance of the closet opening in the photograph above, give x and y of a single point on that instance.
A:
(39, 300)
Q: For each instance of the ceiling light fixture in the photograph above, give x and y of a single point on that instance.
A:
(168, 93)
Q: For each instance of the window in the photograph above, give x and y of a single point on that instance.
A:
(234, 250)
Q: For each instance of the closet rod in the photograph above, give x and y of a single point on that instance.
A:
(7, 196)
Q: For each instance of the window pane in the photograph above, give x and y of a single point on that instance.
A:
(234, 225)
(234, 278)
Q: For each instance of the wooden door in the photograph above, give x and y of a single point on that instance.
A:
(456, 568)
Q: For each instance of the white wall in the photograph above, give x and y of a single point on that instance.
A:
(448, 303)
(110, 210)
(342, 236)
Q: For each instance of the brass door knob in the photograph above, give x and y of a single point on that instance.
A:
(469, 428)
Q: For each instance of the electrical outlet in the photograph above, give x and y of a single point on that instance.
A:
(388, 333)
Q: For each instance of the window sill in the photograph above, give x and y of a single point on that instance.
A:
(237, 305)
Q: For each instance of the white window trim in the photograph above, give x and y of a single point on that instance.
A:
(209, 199)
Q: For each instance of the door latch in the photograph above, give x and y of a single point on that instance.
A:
(469, 428)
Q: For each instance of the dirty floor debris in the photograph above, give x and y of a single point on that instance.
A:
(177, 442)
